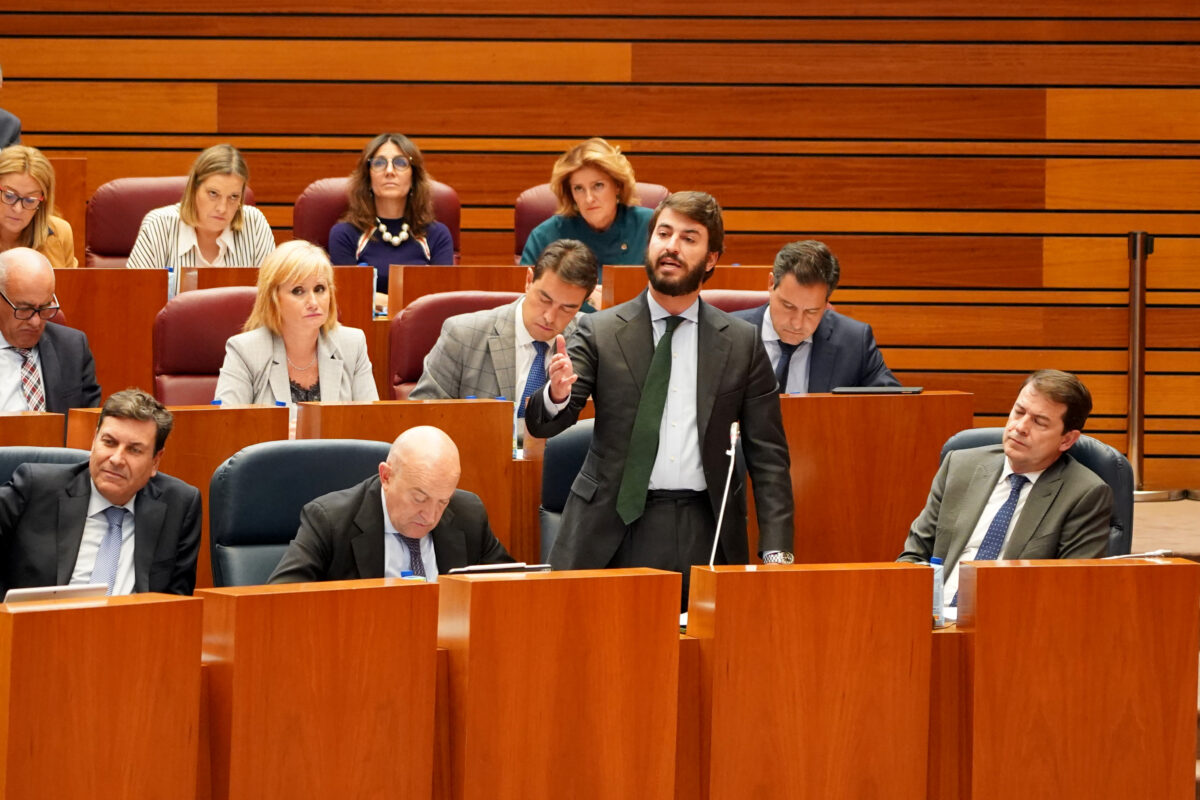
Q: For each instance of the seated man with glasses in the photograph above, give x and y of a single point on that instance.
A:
(44, 366)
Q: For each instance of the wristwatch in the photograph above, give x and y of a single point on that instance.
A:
(778, 557)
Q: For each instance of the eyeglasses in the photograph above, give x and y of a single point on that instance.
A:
(380, 164)
(11, 198)
(27, 312)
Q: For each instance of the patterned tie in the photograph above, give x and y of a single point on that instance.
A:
(537, 376)
(414, 555)
(643, 442)
(31, 380)
(993, 540)
(785, 363)
(109, 554)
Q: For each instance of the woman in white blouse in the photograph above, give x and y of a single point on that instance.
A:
(211, 226)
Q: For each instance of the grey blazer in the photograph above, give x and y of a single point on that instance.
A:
(475, 356)
(1065, 515)
(255, 368)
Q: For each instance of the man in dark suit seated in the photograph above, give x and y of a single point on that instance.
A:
(1024, 498)
(411, 517)
(44, 366)
(823, 348)
(114, 520)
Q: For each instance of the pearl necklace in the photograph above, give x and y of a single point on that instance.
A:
(395, 240)
(298, 368)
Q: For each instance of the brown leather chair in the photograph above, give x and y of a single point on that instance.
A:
(536, 204)
(115, 212)
(324, 201)
(416, 328)
(189, 341)
(733, 299)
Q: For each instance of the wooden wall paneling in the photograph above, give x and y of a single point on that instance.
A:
(1172, 327)
(70, 198)
(1165, 185)
(102, 106)
(1107, 113)
(966, 359)
(995, 392)
(1173, 263)
(986, 326)
(1076, 261)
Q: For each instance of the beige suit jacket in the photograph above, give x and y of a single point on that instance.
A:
(255, 368)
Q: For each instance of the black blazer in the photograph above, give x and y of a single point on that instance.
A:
(43, 510)
(844, 352)
(341, 537)
(68, 370)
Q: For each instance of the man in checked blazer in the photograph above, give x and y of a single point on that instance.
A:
(1060, 510)
(491, 353)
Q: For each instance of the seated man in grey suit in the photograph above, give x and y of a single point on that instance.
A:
(114, 520)
(410, 517)
(496, 352)
(44, 366)
(1024, 498)
(823, 348)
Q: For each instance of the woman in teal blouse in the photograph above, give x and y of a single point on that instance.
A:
(594, 185)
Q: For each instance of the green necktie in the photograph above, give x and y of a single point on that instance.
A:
(643, 443)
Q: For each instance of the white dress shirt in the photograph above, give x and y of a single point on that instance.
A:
(94, 530)
(996, 499)
(11, 398)
(396, 558)
(678, 465)
(797, 382)
(187, 242)
(525, 353)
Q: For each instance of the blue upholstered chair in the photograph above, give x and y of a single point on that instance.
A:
(560, 464)
(1105, 461)
(255, 499)
(13, 457)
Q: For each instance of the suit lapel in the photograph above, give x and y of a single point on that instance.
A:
(1040, 498)
(367, 542)
(983, 481)
(329, 369)
(712, 350)
(278, 371)
(635, 338)
(72, 516)
(149, 515)
(449, 544)
(502, 347)
(823, 358)
(51, 370)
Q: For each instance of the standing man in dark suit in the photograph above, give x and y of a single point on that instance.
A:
(668, 375)
(409, 517)
(44, 366)
(812, 347)
(1023, 499)
(114, 520)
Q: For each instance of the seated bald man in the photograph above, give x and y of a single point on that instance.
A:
(410, 517)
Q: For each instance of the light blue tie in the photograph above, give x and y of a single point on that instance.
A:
(537, 376)
(109, 554)
(993, 540)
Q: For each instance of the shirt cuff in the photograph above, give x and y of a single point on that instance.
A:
(552, 408)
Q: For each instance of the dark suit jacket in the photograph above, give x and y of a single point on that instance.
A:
(1066, 514)
(43, 510)
(10, 128)
(844, 352)
(341, 537)
(68, 371)
(611, 352)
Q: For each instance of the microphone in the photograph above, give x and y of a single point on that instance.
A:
(1149, 554)
(735, 433)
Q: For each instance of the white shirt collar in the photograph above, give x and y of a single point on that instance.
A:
(187, 241)
(1008, 470)
(524, 337)
(657, 312)
(98, 502)
(768, 329)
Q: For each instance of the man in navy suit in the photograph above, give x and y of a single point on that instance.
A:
(824, 349)
(44, 366)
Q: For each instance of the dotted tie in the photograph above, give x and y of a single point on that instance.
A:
(414, 555)
(993, 540)
(31, 380)
(785, 363)
(109, 554)
(537, 376)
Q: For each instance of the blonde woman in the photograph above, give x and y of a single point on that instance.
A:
(27, 214)
(292, 348)
(211, 226)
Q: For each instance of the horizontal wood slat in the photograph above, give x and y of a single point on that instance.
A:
(984, 326)
(995, 392)
(1122, 113)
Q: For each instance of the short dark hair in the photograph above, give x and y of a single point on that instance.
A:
(1063, 387)
(701, 207)
(572, 261)
(137, 405)
(810, 262)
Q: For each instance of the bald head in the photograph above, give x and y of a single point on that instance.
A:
(419, 479)
(27, 281)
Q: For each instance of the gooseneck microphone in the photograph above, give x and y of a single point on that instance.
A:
(734, 432)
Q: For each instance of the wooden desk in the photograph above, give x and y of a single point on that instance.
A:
(862, 466)
(822, 668)
(32, 428)
(562, 684)
(116, 309)
(203, 437)
(407, 282)
(482, 429)
(321, 690)
(100, 699)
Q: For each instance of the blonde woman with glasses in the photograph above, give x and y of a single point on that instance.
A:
(27, 214)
